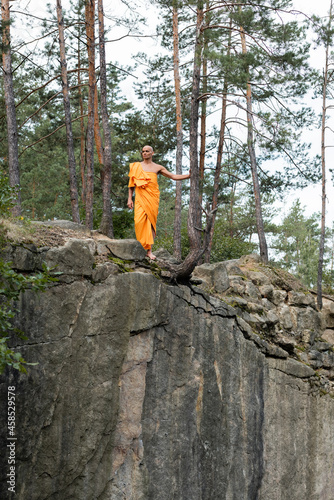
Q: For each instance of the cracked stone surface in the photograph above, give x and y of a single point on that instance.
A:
(149, 391)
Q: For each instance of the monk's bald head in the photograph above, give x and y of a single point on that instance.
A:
(147, 148)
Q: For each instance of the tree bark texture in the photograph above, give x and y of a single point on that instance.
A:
(181, 272)
(203, 112)
(68, 118)
(82, 130)
(97, 131)
(179, 137)
(106, 226)
(252, 155)
(90, 32)
(12, 134)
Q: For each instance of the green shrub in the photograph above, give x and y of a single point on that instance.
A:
(227, 248)
(223, 247)
(12, 284)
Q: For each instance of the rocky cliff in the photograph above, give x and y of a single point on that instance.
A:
(219, 389)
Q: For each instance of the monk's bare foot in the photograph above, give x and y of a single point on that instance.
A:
(150, 255)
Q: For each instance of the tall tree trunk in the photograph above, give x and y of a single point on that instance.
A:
(13, 156)
(203, 113)
(90, 32)
(179, 137)
(323, 167)
(219, 160)
(97, 131)
(106, 226)
(194, 214)
(68, 118)
(82, 129)
(183, 271)
(252, 155)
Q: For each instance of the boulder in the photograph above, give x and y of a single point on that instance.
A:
(102, 271)
(285, 317)
(24, 258)
(252, 291)
(237, 285)
(323, 346)
(249, 259)
(305, 319)
(164, 255)
(268, 305)
(233, 268)
(258, 278)
(278, 297)
(129, 249)
(215, 275)
(328, 313)
(267, 291)
(301, 299)
(328, 335)
(75, 258)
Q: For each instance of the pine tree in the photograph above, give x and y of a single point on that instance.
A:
(90, 34)
(106, 226)
(179, 134)
(12, 134)
(325, 37)
(297, 244)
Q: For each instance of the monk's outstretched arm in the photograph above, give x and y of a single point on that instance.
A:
(175, 177)
(130, 200)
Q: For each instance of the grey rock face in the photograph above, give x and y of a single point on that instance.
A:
(328, 312)
(258, 278)
(267, 291)
(301, 299)
(23, 258)
(328, 335)
(149, 391)
(232, 267)
(76, 257)
(103, 271)
(122, 249)
(163, 255)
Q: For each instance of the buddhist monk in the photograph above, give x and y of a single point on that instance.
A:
(144, 178)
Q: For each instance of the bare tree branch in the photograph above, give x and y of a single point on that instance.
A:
(49, 135)
(47, 102)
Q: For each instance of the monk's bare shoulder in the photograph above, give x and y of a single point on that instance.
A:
(158, 167)
(152, 167)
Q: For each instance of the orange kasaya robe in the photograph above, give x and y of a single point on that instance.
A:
(146, 203)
